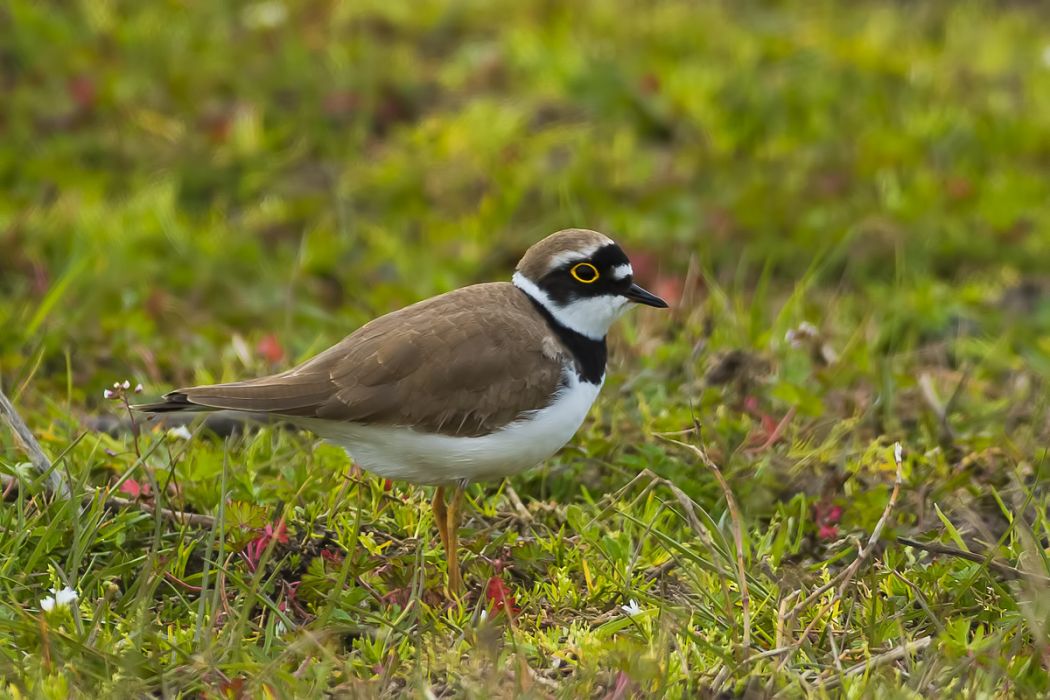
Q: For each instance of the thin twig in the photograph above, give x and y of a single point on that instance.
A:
(182, 584)
(31, 447)
(920, 599)
(117, 503)
(782, 618)
(738, 534)
(776, 651)
(775, 435)
(997, 566)
(847, 574)
(939, 409)
(655, 572)
(835, 654)
(896, 654)
(612, 499)
(687, 504)
(844, 578)
(176, 516)
(515, 501)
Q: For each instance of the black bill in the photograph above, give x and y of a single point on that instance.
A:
(640, 296)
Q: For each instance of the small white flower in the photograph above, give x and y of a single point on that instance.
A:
(58, 599)
(65, 596)
(126, 385)
(797, 337)
(107, 394)
(631, 608)
(116, 385)
(138, 388)
(181, 432)
(898, 452)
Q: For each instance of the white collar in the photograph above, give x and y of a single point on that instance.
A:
(588, 316)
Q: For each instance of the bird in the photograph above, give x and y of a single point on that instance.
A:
(476, 384)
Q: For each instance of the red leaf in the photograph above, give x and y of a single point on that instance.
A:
(83, 91)
(498, 594)
(621, 688)
(41, 280)
(332, 555)
(828, 532)
(340, 104)
(217, 125)
(397, 596)
(253, 551)
(280, 533)
(959, 188)
(668, 288)
(134, 489)
(270, 349)
(649, 271)
(232, 688)
(771, 429)
(291, 597)
(650, 83)
(827, 516)
(645, 264)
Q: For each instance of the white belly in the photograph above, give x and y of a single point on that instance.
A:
(425, 458)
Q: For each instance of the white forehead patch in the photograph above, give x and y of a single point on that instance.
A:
(568, 256)
(622, 272)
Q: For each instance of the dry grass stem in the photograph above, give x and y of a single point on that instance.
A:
(850, 571)
(896, 654)
(738, 535)
(31, 447)
(999, 567)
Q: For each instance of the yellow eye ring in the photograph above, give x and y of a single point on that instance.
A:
(584, 272)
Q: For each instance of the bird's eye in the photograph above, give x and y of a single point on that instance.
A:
(584, 272)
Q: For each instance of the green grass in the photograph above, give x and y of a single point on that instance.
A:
(203, 191)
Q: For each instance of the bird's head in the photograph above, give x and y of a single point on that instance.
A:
(583, 279)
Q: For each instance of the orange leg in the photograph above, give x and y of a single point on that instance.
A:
(440, 515)
(455, 578)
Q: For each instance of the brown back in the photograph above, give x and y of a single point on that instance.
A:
(463, 363)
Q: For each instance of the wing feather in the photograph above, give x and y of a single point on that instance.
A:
(463, 363)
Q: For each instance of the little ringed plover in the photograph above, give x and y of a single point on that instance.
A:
(477, 383)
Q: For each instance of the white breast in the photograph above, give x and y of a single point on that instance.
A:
(426, 458)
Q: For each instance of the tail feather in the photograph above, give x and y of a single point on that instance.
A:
(173, 402)
(267, 395)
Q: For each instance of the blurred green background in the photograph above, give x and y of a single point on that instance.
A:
(193, 191)
(173, 172)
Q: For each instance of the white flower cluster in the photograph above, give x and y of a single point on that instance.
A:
(120, 389)
(797, 337)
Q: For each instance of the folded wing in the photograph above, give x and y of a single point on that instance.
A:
(463, 363)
